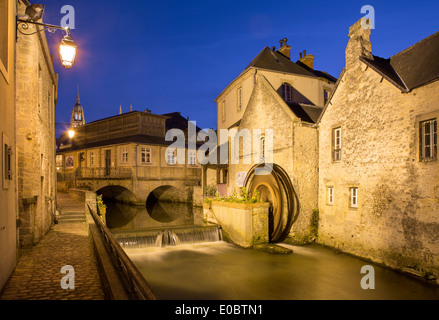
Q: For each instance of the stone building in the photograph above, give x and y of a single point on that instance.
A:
(126, 157)
(379, 173)
(287, 97)
(8, 189)
(37, 87)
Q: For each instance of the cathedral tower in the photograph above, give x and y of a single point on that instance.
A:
(77, 118)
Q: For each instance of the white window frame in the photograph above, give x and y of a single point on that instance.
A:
(192, 157)
(428, 147)
(354, 197)
(330, 195)
(145, 156)
(336, 144)
(239, 93)
(170, 156)
(124, 155)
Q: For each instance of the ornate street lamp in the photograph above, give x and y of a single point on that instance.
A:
(67, 51)
(67, 48)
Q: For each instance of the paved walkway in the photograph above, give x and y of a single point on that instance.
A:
(38, 272)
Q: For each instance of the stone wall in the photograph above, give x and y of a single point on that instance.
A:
(36, 100)
(245, 225)
(396, 222)
(8, 195)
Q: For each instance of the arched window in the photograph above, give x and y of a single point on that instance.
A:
(287, 92)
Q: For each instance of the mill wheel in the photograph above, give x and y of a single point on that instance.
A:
(275, 187)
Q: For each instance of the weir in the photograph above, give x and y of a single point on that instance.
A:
(168, 237)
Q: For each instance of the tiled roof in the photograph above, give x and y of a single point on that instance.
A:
(411, 68)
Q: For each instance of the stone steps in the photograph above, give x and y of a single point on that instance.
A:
(71, 217)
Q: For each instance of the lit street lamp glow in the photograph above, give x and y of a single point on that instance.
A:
(67, 52)
(71, 133)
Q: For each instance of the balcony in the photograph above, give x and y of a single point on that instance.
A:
(103, 173)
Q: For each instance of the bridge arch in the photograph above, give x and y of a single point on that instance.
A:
(117, 193)
(164, 203)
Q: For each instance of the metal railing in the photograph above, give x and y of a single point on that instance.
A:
(136, 281)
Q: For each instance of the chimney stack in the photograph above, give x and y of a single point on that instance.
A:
(307, 59)
(284, 49)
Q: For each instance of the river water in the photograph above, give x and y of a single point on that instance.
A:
(222, 271)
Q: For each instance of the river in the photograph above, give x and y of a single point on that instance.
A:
(221, 271)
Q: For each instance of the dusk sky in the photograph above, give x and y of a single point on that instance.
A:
(179, 55)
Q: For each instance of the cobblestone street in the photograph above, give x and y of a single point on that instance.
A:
(38, 272)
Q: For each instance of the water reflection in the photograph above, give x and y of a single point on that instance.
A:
(123, 217)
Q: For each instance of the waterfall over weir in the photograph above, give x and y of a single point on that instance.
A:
(169, 237)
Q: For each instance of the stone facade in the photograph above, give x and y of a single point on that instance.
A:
(8, 168)
(256, 100)
(395, 220)
(36, 101)
(294, 149)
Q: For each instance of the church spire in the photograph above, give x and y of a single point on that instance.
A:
(77, 96)
(77, 118)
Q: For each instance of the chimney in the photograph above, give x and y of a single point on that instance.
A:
(284, 48)
(148, 111)
(307, 59)
(358, 45)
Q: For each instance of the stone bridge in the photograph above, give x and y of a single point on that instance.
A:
(129, 185)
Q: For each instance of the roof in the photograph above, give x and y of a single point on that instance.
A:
(306, 112)
(272, 60)
(411, 68)
(317, 73)
(177, 121)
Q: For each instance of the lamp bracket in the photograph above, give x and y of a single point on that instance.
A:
(23, 25)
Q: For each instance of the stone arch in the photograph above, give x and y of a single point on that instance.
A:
(161, 201)
(117, 193)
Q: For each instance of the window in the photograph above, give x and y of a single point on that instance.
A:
(239, 93)
(354, 197)
(92, 158)
(336, 144)
(192, 158)
(146, 155)
(170, 156)
(287, 92)
(326, 94)
(428, 143)
(330, 195)
(262, 148)
(223, 110)
(124, 155)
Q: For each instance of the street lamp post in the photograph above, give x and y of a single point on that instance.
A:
(67, 47)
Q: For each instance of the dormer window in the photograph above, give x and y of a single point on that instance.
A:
(287, 92)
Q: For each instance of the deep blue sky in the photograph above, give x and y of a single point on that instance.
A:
(179, 55)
